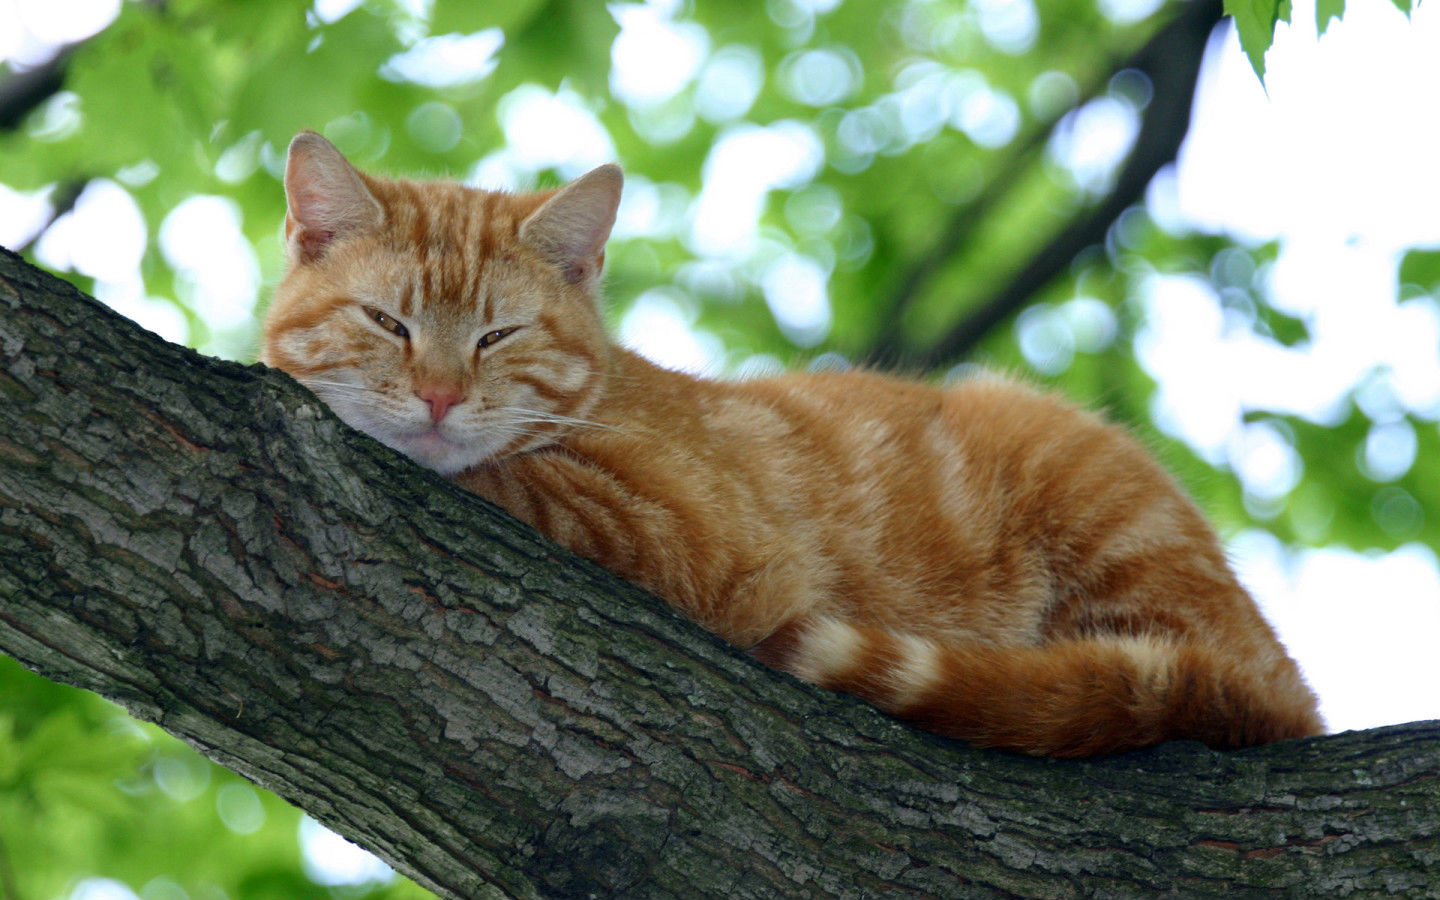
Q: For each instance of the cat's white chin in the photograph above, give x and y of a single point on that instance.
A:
(429, 446)
(433, 450)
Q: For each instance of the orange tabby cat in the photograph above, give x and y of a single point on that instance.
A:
(983, 560)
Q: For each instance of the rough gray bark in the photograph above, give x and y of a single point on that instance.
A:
(204, 543)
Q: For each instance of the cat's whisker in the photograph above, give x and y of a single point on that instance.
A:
(341, 385)
(537, 415)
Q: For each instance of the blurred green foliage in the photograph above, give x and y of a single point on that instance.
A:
(938, 185)
(88, 792)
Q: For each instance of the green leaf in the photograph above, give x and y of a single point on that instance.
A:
(466, 16)
(1421, 268)
(336, 65)
(1403, 5)
(1255, 21)
(1326, 11)
(578, 33)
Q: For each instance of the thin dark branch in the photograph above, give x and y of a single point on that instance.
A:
(957, 231)
(952, 238)
(1171, 59)
(23, 91)
(1172, 62)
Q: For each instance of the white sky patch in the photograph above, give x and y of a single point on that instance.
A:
(330, 859)
(654, 58)
(102, 889)
(202, 240)
(1390, 450)
(660, 327)
(821, 76)
(128, 298)
(648, 209)
(1180, 344)
(1010, 26)
(1211, 371)
(329, 11)
(1050, 336)
(729, 83)
(50, 22)
(103, 236)
(1343, 146)
(1266, 463)
(22, 213)
(795, 290)
(639, 214)
(552, 130)
(1092, 141)
(815, 6)
(1338, 164)
(1126, 11)
(447, 60)
(925, 94)
(745, 164)
(988, 116)
(1354, 623)
(13, 34)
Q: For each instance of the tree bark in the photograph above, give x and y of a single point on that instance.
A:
(206, 544)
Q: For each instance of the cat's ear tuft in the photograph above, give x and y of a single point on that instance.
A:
(572, 226)
(327, 198)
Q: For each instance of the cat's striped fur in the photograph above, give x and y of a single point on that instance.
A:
(984, 560)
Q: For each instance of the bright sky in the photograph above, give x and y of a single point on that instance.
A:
(1337, 162)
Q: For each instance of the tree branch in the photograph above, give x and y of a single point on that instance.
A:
(204, 543)
(1171, 59)
(890, 339)
(23, 91)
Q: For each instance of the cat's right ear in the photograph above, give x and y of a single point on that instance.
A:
(326, 196)
(572, 226)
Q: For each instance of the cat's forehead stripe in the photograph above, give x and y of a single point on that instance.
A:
(419, 222)
(309, 316)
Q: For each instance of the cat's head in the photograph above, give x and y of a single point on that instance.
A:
(453, 324)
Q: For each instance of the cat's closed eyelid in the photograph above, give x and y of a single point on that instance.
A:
(386, 321)
(495, 335)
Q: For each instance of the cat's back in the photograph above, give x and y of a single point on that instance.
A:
(984, 467)
(969, 507)
(999, 429)
(832, 445)
(994, 483)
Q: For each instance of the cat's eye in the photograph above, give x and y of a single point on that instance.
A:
(494, 336)
(387, 322)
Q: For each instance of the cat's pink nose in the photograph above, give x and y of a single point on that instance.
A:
(441, 398)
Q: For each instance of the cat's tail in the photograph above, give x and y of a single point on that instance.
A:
(1073, 697)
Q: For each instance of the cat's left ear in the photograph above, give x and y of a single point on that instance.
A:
(328, 199)
(572, 226)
